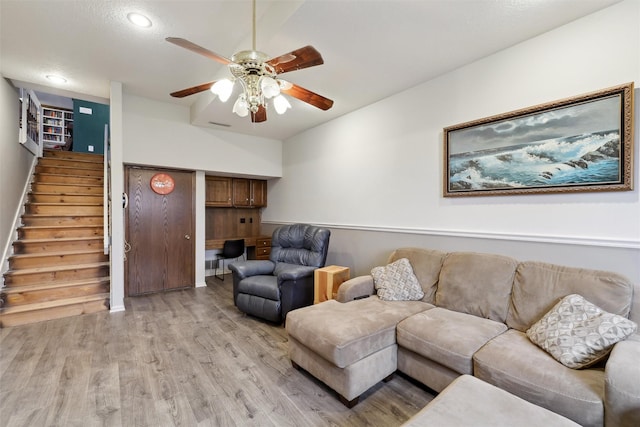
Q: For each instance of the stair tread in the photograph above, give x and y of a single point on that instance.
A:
(62, 174)
(50, 215)
(57, 193)
(55, 268)
(57, 253)
(54, 285)
(54, 303)
(62, 227)
(60, 239)
(65, 204)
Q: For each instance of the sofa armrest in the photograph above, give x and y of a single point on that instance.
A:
(356, 288)
(622, 384)
(244, 269)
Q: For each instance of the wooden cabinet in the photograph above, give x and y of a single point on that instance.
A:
(56, 126)
(263, 247)
(249, 193)
(218, 191)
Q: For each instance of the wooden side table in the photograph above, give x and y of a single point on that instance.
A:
(327, 280)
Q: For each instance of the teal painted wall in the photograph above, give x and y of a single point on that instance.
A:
(88, 129)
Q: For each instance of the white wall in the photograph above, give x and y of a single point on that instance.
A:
(159, 134)
(379, 170)
(15, 165)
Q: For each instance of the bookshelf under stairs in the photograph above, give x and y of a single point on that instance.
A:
(58, 267)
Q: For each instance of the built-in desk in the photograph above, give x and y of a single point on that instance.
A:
(258, 247)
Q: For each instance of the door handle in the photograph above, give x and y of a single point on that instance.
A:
(186, 236)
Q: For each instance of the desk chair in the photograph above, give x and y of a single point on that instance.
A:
(231, 249)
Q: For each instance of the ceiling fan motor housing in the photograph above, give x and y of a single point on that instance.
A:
(249, 66)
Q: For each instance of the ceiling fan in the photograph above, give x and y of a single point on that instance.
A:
(258, 74)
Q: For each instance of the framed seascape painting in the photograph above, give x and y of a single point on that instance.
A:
(584, 143)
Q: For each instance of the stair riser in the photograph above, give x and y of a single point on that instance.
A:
(63, 209)
(35, 247)
(66, 188)
(52, 221)
(16, 319)
(70, 163)
(64, 179)
(34, 297)
(17, 262)
(56, 276)
(65, 198)
(70, 155)
(74, 171)
(54, 233)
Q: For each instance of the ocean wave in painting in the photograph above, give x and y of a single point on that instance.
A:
(579, 160)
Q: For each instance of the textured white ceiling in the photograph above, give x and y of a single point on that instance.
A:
(371, 49)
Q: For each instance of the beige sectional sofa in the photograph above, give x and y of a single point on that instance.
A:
(472, 320)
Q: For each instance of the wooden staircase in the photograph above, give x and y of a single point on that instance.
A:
(58, 267)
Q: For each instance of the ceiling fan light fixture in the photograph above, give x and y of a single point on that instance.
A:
(281, 104)
(240, 107)
(223, 89)
(269, 87)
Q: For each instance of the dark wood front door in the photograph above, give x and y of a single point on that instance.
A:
(159, 231)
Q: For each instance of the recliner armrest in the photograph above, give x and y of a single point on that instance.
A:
(358, 287)
(622, 384)
(244, 269)
(286, 271)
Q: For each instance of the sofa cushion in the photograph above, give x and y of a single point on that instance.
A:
(426, 264)
(261, 286)
(578, 333)
(512, 362)
(538, 286)
(470, 402)
(478, 284)
(396, 282)
(344, 333)
(447, 337)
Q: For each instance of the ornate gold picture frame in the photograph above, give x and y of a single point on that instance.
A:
(583, 143)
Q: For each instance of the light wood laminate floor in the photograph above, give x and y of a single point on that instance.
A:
(186, 358)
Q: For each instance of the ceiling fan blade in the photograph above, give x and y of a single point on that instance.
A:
(301, 58)
(260, 115)
(192, 90)
(198, 49)
(309, 97)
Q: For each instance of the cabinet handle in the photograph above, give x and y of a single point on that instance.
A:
(186, 236)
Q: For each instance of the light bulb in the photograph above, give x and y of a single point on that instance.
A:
(281, 104)
(269, 87)
(240, 107)
(223, 89)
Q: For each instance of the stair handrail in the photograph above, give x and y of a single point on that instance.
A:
(106, 193)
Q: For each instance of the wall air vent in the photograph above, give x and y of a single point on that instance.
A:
(220, 124)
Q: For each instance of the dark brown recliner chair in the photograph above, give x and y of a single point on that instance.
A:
(270, 289)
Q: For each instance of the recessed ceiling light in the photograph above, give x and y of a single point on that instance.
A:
(139, 20)
(56, 79)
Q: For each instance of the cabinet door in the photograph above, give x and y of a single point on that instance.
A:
(258, 193)
(218, 191)
(241, 192)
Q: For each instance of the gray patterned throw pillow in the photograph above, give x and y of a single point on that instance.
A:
(396, 282)
(578, 333)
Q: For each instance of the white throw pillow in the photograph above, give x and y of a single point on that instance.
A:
(578, 333)
(396, 282)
